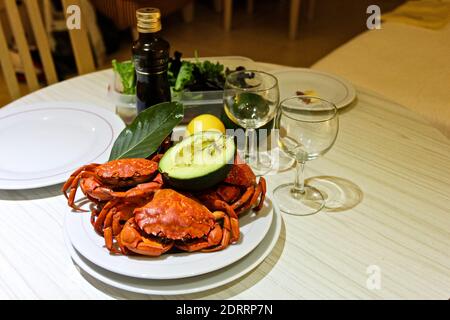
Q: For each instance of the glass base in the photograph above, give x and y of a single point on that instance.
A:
(126, 113)
(296, 203)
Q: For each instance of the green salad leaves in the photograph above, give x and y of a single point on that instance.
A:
(127, 75)
(183, 75)
(196, 75)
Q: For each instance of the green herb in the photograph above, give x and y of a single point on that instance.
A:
(127, 75)
(185, 76)
(196, 75)
(144, 136)
(209, 70)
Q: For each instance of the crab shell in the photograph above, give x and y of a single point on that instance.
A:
(241, 175)
(126, 172)
(174, 216)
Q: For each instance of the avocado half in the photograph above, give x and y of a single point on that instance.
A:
(199, 161)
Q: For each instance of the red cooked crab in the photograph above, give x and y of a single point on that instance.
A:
(238, 193)
(100, 182)
(174, 220)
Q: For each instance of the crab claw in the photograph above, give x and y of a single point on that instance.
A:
(132, 239)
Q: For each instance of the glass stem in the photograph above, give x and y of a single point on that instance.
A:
(299, 184)
(251, 152)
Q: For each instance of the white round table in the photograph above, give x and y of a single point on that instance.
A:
(392, 241)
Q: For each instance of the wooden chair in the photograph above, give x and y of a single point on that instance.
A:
(78, 37)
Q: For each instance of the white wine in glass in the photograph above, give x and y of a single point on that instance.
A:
(251, 101)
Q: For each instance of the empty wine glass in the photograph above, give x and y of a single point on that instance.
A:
(308, 128)
(251, 100)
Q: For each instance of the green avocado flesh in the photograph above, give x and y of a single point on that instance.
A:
(199, 161)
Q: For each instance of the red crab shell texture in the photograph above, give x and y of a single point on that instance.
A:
(174, 216)
(136, 170)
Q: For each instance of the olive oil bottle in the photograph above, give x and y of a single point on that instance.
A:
(151, 59)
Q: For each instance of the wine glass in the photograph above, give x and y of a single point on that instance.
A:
(307, 128)
(251, 100)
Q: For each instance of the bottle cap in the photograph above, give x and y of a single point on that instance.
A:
(148, 20)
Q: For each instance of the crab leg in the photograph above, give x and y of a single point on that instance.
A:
(94, 214)
(73, 191)
(252, 201)
(110, 230)
(151, 248)
(218, 237)
(262, 183)
(109, 218)
(116, 227)
(100, 221)
(130, 239)
(214, 238)
(245, 197)
(95, 189)
(222, 205)
(109, 241)
(231, 223)
(225, 237)
(73, 176)
(235, 233)
(141, 190)
(230, 226)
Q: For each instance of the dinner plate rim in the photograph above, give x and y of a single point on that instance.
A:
(99, 274)
(87, 253)
(110, 118)
(351, 95)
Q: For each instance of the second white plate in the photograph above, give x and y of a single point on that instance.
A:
(253, 227)
(325, 85)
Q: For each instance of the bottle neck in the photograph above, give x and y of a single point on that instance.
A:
(149, 35)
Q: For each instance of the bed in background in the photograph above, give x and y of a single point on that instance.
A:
(407, 60)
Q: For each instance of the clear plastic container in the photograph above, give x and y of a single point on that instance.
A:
(195, 103)
(125, 104)
(200, 102)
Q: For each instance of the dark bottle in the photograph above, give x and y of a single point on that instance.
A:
(151, 59)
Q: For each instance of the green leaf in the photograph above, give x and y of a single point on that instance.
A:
(144, 136)
(127, 75)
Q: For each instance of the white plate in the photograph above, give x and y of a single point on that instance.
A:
(186, 285)
(42, 143)
(88, 243)
(327, 86)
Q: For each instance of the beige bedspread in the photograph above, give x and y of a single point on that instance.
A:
(433, 14)
(408, 64)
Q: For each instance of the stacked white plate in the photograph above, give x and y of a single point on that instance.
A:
(173, 273)
(58, 136)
